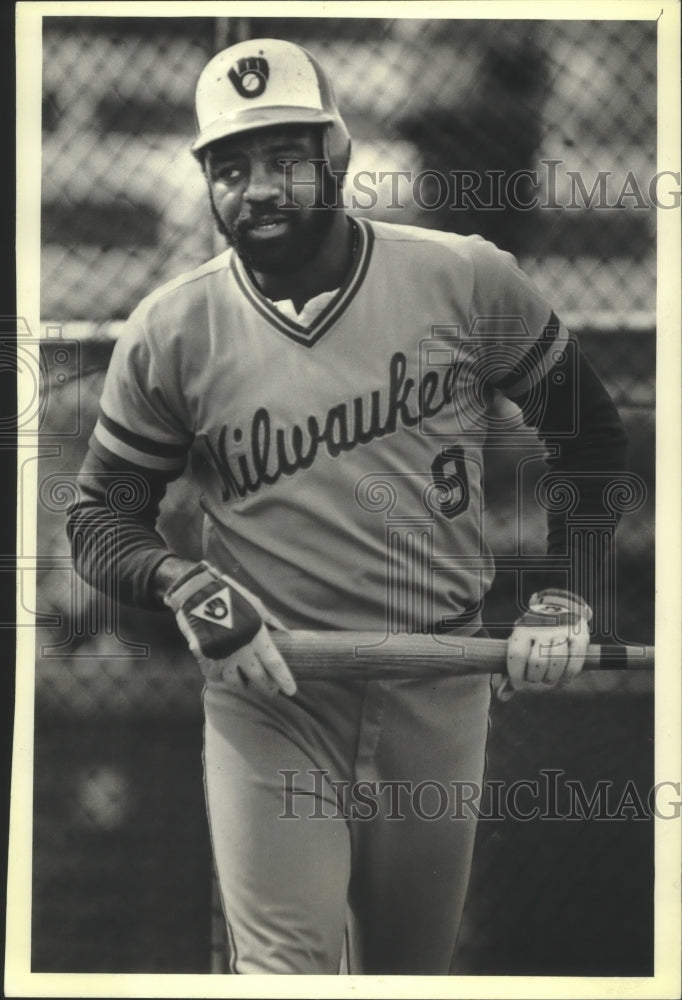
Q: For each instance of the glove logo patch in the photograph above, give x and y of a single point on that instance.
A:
(249, 76)
(217, 609)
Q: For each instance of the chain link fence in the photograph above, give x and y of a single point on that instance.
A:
(541, 136)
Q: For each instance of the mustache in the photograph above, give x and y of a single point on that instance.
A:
(256, 215)
(249, 218)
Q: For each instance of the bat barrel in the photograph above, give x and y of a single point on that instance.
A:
(370, 655)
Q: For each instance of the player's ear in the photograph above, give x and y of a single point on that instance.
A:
(200, 155)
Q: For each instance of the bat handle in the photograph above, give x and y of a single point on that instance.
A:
(611, 657)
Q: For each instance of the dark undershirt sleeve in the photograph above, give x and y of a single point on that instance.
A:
(112, 530)
(590, 455)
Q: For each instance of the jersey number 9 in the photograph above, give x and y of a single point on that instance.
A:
(449, 474)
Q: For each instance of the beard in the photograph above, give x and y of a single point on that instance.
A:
(308, 229)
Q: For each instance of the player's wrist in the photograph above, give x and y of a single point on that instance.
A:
(555, 607)
(167, 574)
(192, 578)
(561, 602)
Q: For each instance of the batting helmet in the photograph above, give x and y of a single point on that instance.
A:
(265, 82)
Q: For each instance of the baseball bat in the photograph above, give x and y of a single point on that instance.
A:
(371, 656)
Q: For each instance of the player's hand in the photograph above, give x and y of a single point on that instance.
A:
(225, 626)
(548, 645)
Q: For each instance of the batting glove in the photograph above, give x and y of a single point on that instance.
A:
(225, 626)
(548, 645)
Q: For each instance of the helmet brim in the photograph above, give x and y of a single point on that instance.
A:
(248, 121)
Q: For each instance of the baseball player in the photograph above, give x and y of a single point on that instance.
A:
(331, 380)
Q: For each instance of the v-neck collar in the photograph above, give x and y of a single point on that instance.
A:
(309, 335)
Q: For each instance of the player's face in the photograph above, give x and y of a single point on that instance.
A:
(275, 216)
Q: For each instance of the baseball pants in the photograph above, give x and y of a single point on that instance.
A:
(333, 804)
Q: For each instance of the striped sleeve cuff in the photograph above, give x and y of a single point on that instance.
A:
(111, 441)
(540, 358)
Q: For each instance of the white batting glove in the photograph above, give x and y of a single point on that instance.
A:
(548, 645)
(225, 626)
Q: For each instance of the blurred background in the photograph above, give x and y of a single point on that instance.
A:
(122, 867)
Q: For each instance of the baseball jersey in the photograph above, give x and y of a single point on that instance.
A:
(337, 461)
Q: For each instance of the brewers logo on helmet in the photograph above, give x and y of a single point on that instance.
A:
(266, 82)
